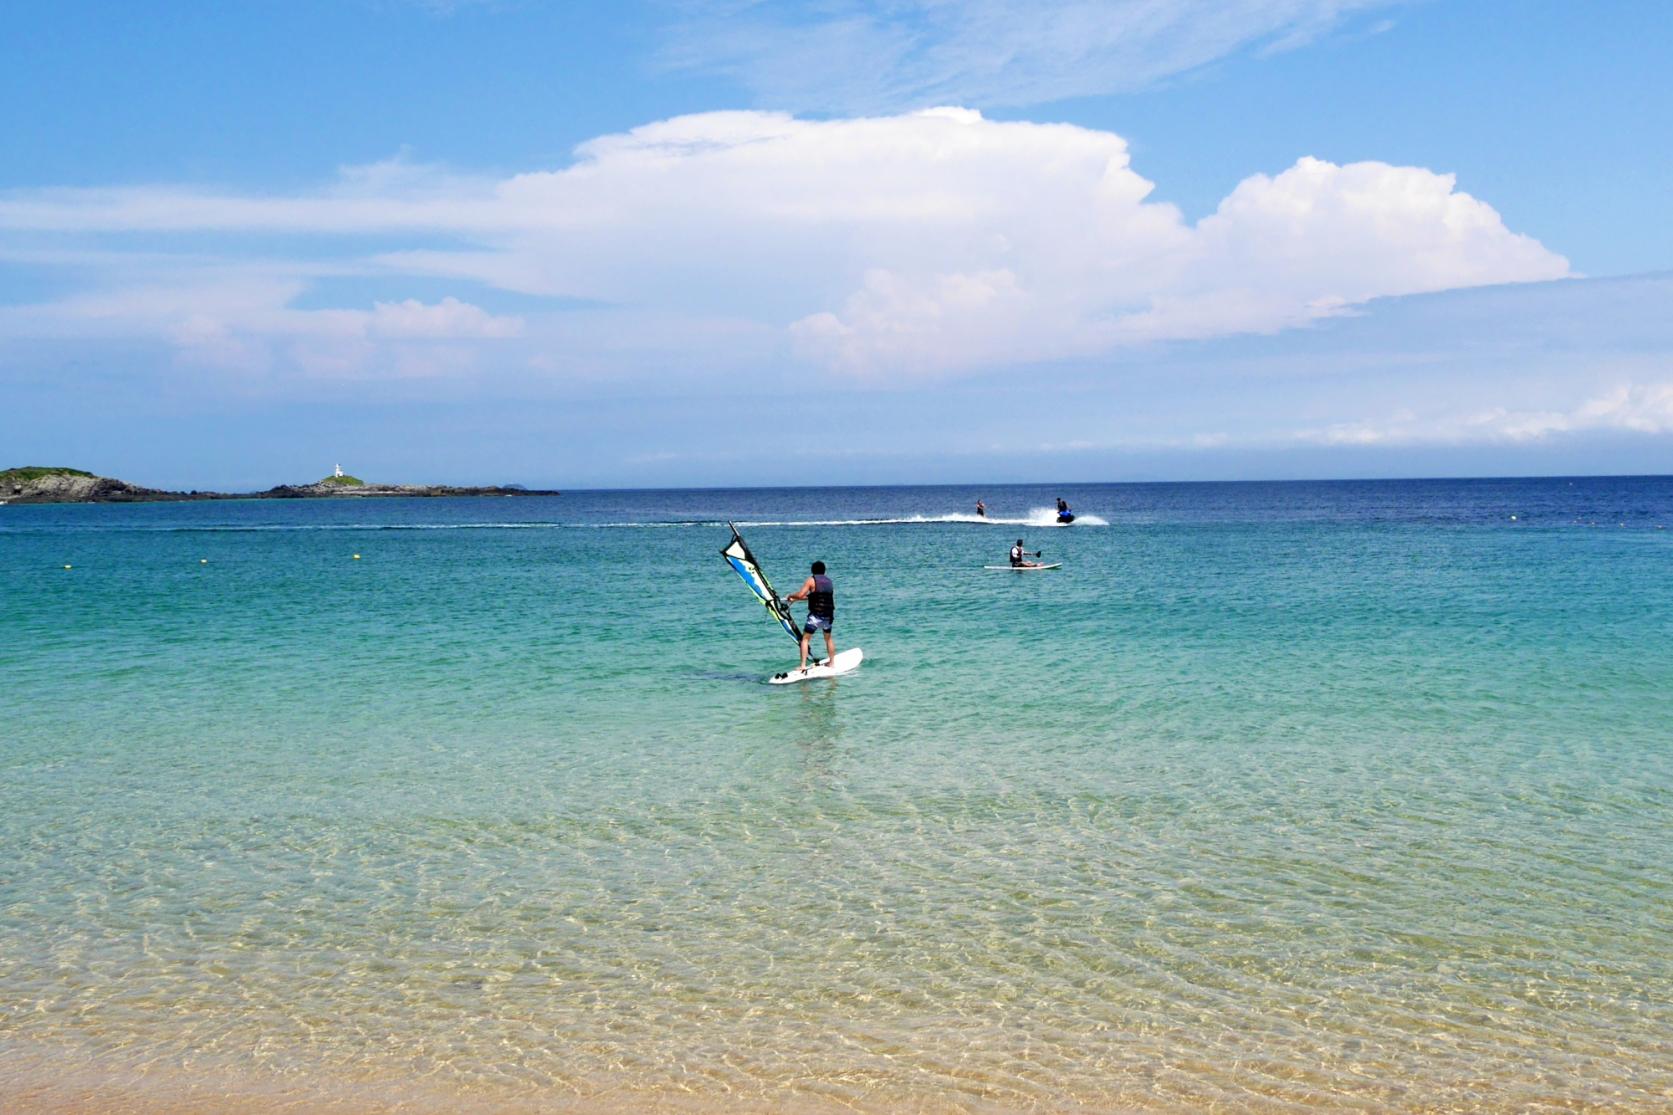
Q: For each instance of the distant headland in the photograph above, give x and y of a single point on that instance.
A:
(38, 484)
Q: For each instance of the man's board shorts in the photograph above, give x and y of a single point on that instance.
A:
(816, 623)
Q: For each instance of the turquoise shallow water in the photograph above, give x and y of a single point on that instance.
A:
(1275, 796)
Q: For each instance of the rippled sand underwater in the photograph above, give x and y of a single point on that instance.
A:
(1365, 809)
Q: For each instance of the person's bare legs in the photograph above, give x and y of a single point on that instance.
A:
(830, 650)
(803, 666)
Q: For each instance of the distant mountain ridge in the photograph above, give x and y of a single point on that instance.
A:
(44, 484)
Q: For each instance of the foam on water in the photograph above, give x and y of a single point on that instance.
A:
(1036, 517)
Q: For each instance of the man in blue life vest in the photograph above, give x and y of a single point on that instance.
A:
(821, 610)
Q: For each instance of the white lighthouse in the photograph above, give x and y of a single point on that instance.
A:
(338, 472)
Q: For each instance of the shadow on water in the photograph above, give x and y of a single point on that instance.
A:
(734, 676)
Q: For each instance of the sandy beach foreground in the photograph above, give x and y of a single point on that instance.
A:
(34, 1083)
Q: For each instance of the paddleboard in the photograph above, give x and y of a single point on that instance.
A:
(1021, 569)
(845, 661)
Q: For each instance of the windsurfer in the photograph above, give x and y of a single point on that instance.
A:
(821, 610)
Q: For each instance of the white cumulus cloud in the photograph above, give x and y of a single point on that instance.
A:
(1318, 238)
(941, 241)
(934, 243)
(449, 318)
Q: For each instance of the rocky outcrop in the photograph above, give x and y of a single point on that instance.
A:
(41, 485)
(64, 485)
(326, 489)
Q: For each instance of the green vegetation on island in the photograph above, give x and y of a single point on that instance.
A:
(38, 484)
(29, 473)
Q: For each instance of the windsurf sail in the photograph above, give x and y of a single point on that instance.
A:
(743, 563)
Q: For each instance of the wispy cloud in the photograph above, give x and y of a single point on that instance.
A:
(872, 56)
(1644, 408)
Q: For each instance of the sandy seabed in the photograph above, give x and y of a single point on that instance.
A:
(41, 1082)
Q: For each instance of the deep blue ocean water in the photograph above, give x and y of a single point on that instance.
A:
(1275, 795)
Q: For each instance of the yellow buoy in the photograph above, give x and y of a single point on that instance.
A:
(66, 567)
(203, 561)
(356, 557)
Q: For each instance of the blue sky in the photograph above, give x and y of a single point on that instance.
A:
(687, 243)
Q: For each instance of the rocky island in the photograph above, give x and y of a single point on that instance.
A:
(38, 484)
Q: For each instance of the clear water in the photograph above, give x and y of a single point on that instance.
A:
(1276, 796)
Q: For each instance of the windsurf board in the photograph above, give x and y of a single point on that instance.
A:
(844, 662)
